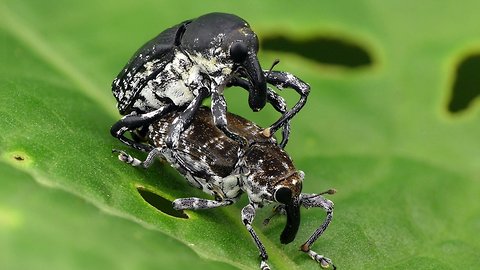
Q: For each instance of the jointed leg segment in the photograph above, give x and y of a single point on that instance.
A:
(219, 112)
(183, 121)
(275, 100)
(286, 80)
(199, 204)
(133, 122)
(316, 200)
(248, 214)
(309, 201)
(123, 156)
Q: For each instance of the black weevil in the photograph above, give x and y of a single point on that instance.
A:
(221, 167)
(183, 65)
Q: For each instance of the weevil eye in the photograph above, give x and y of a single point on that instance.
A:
(283, 195)
(238, 51)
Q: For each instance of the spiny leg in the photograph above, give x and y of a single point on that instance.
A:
(185, 119)
(127, 158)
(248, 214)
(132, 122)
(286, 80)
(316, 200)
(277, 101)
(182, 167)
(280, 105)
(200, 204)
(219, 112)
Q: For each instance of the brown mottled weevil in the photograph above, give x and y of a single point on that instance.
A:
(218, 165)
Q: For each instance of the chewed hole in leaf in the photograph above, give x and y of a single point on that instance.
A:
(162, 204)
(18, 158)
(321, 49)
(466, 86)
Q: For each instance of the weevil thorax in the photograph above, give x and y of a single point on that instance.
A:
(271, 177)
(268, 168)
(210, 41)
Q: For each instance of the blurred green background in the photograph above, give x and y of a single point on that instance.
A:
(392, 123)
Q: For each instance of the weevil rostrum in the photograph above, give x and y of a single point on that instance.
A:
(185, 64)
(224, 169)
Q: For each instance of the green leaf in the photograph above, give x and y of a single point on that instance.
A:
(405, 167)
(45, 228)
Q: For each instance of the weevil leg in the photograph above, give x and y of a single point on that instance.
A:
(132, 122)
(183, 167)
(219, 112)
(286, 80)
(277, 101)
(280, 105)
(200, 204)
(183, 121)
(248, 214)
(316, 200)
(125, 157)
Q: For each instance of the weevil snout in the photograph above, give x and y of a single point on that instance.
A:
(243, 52)
(257, 97)
(285, 196)
(287, 193)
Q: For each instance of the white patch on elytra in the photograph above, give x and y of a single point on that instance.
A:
(177, 81)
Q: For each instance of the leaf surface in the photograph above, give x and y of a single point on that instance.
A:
(405, 167)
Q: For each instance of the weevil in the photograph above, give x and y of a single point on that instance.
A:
(225, 169)
(185, 64)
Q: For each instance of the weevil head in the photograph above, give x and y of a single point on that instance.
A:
(224, 44)
(287, 192)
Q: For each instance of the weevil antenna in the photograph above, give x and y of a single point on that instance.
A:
(330, 192)
(275, 62)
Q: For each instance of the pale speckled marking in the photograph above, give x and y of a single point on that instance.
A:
(220, 117)
(228, 187)
(179, 80)
(176, 79)
(257, 193)
(211, 63)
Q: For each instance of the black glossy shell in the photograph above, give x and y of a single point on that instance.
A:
(199, 36)
(161, 48)
(202, 34)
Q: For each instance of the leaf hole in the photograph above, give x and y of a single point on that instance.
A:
(466, 86)
(321, 49)
(18, 158)
(162, 204)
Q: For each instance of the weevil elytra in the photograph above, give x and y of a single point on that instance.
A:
(185, 64)
(224, 169)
